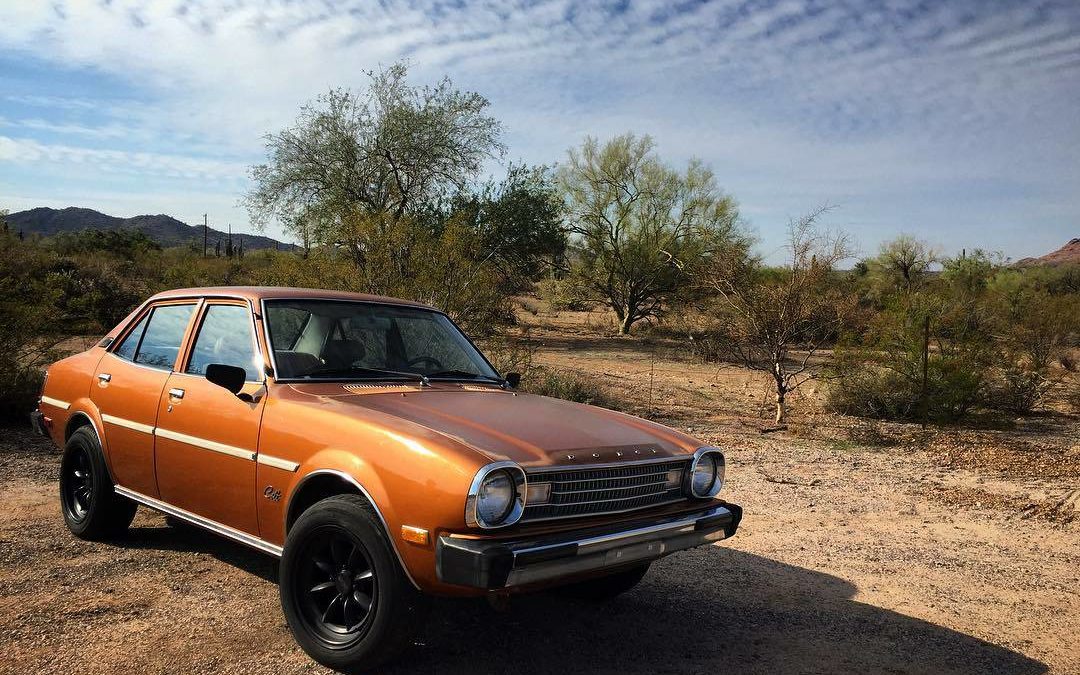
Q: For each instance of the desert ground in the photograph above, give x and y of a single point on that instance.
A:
(865, 548)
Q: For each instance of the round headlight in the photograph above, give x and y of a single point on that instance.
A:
(495, 498)
(708, 476)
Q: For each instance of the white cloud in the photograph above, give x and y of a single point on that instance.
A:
(22, 151)
(875, 104)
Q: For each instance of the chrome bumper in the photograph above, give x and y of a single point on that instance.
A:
(496, 564)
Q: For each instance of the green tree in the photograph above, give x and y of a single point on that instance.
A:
(518, 223)
(355, 165)
(901, 265)
(639, 226)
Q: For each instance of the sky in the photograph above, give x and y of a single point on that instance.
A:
(957, 122)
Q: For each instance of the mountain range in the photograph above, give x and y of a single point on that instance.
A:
(165, 230)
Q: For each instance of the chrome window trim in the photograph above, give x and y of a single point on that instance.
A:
(127, 424)
(205, 523)
(121, 359)
(205, 444)
(472, 518)
(207, 302)
(688, 478)
(55, 402)
(277, 462)
(148, 314)
(367, 495)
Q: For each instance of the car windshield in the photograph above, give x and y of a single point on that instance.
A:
(344, 340)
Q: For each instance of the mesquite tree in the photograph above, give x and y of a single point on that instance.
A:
(360, 166)
(637, 225)
(775, 320)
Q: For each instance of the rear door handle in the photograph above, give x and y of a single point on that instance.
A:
(176, 393)
(104, 377)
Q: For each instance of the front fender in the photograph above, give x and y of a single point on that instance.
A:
(414, 481)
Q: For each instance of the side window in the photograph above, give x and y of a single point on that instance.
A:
(127, 348)
(225, 337)
(163, 335)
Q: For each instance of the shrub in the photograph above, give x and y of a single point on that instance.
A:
(882, 377)
(570, 386)
(29, 325)
(1015, 389)
(566, 294)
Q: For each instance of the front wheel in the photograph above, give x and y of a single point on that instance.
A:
(345, 597)
(92, 510)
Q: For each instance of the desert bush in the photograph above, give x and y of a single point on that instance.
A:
(882, 376)
(570, 386)
(509, 354)
(565, 294)
(30, 327)
(1016, 389)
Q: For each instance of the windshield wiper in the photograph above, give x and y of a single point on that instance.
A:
(361, 370)
(463, 374)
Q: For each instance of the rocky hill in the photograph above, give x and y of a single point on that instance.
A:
(1069, 254)
(165, 230)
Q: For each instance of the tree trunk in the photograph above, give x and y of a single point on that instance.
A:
(624, 326)
(781, 408)
(781, 387)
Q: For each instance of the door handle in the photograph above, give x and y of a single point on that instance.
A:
(176, 393)
(104, 377)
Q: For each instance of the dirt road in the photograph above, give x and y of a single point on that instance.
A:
(854, 556)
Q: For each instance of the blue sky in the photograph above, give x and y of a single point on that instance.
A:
(958, 122)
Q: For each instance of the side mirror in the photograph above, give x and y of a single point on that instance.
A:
(513, 379)
(229, 377)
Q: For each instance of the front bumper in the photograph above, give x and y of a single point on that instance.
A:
(497, 564)
(37, 421)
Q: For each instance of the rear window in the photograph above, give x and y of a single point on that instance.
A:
(127, 348)
(162, 336)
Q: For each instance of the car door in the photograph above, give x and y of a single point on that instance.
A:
(207, 437)
(127, 388)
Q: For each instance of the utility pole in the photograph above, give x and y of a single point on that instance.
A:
(205, 227)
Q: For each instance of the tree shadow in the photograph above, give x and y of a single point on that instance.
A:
(709, 610)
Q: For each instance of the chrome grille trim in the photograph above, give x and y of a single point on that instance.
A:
(579, 491)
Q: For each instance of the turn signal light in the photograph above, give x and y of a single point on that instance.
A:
(414, 535)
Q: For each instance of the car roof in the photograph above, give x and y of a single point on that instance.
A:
(257, 293)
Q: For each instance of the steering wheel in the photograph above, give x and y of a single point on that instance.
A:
(435, 364)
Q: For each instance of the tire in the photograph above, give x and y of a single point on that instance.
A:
(606, 587)
(91, 509)
(345, 597)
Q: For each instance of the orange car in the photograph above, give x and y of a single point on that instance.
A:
(368, 443)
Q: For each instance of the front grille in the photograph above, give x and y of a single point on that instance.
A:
(611, 489)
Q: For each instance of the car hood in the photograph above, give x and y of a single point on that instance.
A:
(528, 429)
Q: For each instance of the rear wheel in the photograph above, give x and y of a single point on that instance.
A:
(606, 587)
(344, 595)
(91, 509)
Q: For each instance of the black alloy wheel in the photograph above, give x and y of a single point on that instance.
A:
(342, 589)
(77, 485)
(88, 501)
(345, 595)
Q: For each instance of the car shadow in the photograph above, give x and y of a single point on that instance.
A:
(710, 609)
(188, 538)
